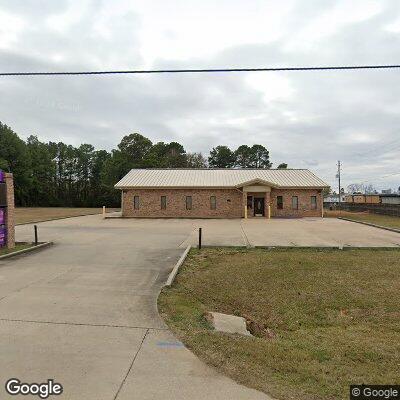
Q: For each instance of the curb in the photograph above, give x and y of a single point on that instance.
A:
(369, 224)
(275, 247)
(174, 271)
(341, 248)
(28, 250)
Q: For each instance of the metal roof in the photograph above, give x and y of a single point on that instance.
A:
(221, 178)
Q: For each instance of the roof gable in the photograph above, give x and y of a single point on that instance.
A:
(256, 181)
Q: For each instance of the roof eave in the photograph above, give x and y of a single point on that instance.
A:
(216, 187)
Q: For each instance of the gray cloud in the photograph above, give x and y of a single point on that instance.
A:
(324, 116)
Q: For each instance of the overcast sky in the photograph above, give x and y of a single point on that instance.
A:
(307, 119)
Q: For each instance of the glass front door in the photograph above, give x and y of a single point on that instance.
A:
(259, 209)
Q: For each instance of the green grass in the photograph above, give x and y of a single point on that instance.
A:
(377, 219)
(335, 315)
(4, 250)
(24, 215)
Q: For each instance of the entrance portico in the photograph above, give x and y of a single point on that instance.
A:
(257, 199)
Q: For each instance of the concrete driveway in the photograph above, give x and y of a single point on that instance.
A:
(83, 312)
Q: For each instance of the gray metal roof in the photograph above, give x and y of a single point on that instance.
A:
(221, 178)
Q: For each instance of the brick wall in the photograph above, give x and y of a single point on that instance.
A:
(10, 221)
(229, 203)
(304, 202)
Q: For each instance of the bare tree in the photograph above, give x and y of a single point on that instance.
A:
(196, 160)
(361, 188)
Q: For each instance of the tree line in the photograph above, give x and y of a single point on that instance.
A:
(58, 174)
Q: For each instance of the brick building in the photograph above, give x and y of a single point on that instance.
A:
(221, 193)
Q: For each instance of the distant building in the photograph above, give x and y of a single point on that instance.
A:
(386, 191)
(333, 198)
(359, 198)
(391, 198)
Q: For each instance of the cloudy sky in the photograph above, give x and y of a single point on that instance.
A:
(307, 119)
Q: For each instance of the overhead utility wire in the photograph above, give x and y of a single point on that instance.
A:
(380, 177)
(211, 70)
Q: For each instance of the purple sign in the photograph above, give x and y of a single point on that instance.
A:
(3, 237)
(2, 216)
(2, 176)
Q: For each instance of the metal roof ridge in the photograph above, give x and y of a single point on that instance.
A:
(220, 169)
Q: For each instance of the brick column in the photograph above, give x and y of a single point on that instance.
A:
(10, 219)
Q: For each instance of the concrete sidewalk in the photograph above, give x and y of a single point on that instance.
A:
(84, 313)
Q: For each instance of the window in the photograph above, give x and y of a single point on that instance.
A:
(313, 202)
(136, 202)
(295, 203)
(188, 202)
(279, 202)
(213, 203)
(163, 202)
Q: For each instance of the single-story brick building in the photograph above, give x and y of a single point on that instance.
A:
(221, 193)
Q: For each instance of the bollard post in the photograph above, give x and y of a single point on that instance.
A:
(104, 211)
(36, 234)
(199, 238)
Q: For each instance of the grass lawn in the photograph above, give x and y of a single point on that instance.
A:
(335, 316)
(4, 250)
(25, 215)
(377, 219)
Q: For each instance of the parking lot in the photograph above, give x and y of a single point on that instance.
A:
(313, 232)
(84, 311)
(324, 232)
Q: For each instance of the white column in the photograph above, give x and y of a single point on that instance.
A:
(268, 201)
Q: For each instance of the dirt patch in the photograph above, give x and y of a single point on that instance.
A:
(258, 329)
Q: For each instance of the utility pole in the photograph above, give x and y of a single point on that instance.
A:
(338, 176)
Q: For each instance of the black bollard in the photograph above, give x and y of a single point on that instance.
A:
(199, 238)
(36, 234)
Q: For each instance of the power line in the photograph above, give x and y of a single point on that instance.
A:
(379, 177)
(377, 150)
(207, 70)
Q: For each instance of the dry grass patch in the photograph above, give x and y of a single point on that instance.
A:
(377, 219)
(18, 246)
(335, 315)
(25, 215)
